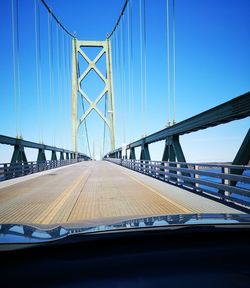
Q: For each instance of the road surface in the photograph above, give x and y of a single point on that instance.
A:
(95, 192)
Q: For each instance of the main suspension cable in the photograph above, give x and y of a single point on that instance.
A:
(119, 19)
(56, 19)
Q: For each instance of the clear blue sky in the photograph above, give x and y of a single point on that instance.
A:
(212, 66)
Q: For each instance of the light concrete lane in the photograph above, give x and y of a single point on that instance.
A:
(96, 190)
(191, 201)
(27, 201)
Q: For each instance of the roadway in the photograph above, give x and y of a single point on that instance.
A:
(95, 192)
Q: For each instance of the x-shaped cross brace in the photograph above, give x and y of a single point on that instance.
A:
(92, 65)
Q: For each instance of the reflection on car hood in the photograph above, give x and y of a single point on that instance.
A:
(17, 233)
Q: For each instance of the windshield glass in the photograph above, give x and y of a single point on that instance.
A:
(137, 112)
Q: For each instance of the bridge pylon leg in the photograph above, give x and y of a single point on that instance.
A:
(132, 154)
(20, 158)
(173, 153)
(242, 157)
(18, 155)
(119, 154)
(145, 155)
(173, 150)
(61, 156)
(74, 94)
(41, 159)
(41, 156)
(53, 155)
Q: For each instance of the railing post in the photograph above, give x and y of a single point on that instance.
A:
(226, 170)
(167, 165)
(196, 176)
(178, 173)
(154, 168)
(5, 171)
(31, 168)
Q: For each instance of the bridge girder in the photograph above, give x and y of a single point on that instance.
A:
(20, 144)
(235, 109)
(242, 157)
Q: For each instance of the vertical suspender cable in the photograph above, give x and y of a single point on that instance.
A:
(53, 84)
(118, 83)
(132, 67)
(14, 66)
(104, 124)
(67, 55)
(58, 66)
(129, 66)
(64, 74)
(168, 60)
(38, 64)
(18, 71)
(122, 80)
(174, 62)
(145, 64)
(141, 72)
(58, 75)
(117, 79)
(61, 67)
(117, 73)
(61, 70)
(65, 71)
(50, 70)
(40, 71)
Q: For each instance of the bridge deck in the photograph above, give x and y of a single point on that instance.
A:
(95, 191)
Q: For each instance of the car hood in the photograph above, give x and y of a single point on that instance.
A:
(18, 233)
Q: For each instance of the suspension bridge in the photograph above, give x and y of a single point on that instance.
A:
(64, 184)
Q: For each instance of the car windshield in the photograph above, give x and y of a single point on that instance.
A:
(122, 114)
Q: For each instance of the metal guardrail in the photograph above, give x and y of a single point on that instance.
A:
(214, 179)
(13, 170)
